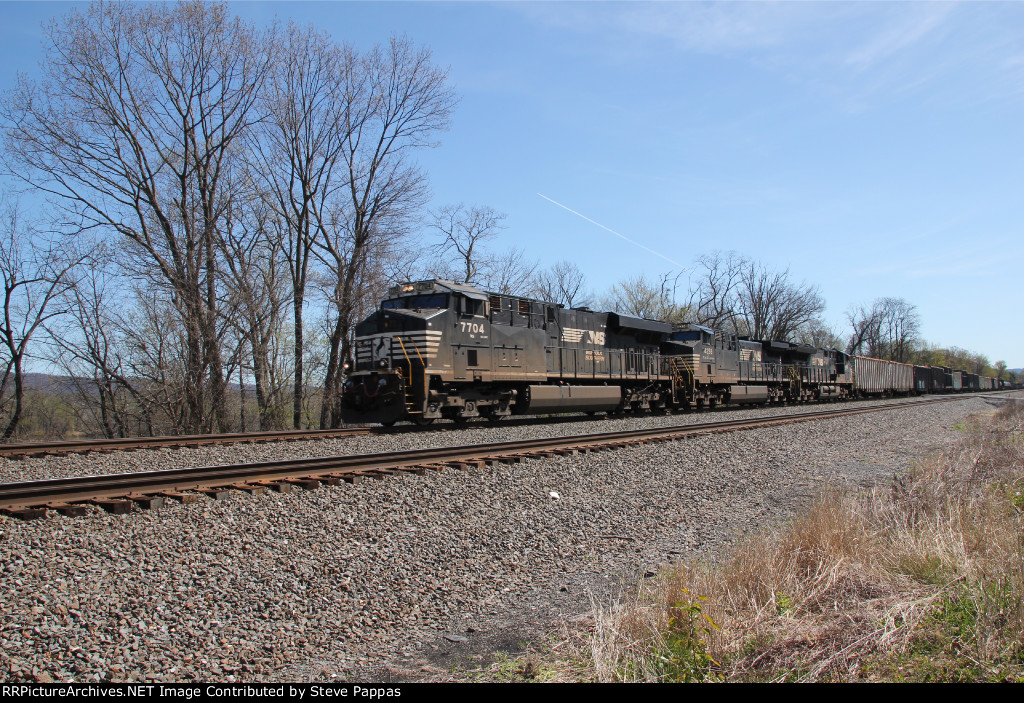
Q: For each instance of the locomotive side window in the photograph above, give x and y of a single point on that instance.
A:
(470, 306)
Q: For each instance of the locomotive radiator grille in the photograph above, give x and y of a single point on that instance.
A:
(422, 344)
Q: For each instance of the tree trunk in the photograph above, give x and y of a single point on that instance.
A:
(297, 392)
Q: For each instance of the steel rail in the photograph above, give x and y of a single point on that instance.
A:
(33, 497)
(24, 449)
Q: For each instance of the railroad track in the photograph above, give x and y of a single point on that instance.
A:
(26, 449)
(118, 493)
(32, 449)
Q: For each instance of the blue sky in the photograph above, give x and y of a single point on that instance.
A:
(876, 149)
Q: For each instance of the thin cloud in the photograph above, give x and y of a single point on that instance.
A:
(609, 229)
(910, 29)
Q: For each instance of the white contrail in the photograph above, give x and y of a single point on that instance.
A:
(620, 236)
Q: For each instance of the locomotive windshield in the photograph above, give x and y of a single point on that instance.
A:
(429, 302)
(686, 336)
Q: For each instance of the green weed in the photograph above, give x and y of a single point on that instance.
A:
(685, 657)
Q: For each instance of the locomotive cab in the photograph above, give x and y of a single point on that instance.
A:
(394, 346)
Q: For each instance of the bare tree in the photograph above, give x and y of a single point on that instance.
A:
(818, 333)
(34, 275)
(865, 322)
(640, 297)
(464, 233)
(714, 288)
(510, 273)
(403, 102)
(771, 306)
(886, 329)
(900, 326)
(258, 294)
(132, 131)
(562, 283)
(87, 348)
(312, 96)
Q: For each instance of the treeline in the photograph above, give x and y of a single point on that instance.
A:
(732, 292)
(215, 205)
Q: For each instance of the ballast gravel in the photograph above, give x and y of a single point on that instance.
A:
(391, 579)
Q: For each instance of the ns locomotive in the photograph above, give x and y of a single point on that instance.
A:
(438, 349)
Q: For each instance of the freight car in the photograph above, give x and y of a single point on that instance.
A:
(881, 377)
(438, 349)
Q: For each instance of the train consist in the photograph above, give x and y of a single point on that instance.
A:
(438, 349)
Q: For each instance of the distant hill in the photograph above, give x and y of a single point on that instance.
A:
(47, 383)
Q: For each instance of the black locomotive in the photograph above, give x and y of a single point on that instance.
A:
(438, 349)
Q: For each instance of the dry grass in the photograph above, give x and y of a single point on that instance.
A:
(923, 581)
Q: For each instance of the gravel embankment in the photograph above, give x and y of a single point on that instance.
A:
(397, 577)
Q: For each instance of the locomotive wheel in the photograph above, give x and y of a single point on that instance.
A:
(422, 421)
(487, 413)
(388, 423)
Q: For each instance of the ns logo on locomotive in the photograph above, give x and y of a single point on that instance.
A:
(438, 349)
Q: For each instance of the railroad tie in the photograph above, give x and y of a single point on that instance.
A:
(466, 464)
(25, 513)
(219, 493)
(68, 509)
(333, 480)
(112, 506)
(146, 502)
(250, 488)
(418, 470)
(278, 486)
(183, 498)
(389, 471)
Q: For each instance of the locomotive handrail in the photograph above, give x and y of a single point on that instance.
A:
(416, 349)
